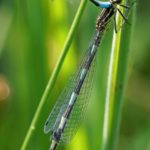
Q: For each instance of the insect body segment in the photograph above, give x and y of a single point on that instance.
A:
(101, 4)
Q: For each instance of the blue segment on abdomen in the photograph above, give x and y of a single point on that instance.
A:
(104, 4)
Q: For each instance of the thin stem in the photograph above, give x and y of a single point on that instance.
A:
(116, 84)
(55, 73)
(111, 86)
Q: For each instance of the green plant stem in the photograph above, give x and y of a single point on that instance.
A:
(55, 73)
(116, 84)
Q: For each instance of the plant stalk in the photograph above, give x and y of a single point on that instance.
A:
(116, 82)
(55, 73)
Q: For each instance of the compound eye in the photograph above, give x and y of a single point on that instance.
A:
(116, 1)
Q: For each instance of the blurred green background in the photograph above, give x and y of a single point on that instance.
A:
(32, 34)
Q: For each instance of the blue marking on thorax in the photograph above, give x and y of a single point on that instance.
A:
(104, 4)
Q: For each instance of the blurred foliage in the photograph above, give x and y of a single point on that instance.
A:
(32, 35)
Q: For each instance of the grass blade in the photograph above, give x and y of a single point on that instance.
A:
(116, 83)
(55, 73)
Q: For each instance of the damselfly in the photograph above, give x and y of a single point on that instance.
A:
(68, 111)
